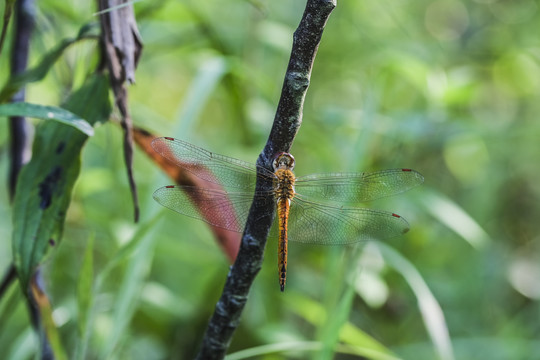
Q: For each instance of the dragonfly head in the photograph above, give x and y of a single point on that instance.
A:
(283, 160)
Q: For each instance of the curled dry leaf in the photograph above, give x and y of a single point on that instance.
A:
(123, 47)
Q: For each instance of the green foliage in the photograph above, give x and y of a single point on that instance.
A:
(126, 302)
(447, 87)
(45, 184)
(85, 298)
(46, 112)
(8, 11)
(37, 73)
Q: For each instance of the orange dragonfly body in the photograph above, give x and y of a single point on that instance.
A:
(309, 207)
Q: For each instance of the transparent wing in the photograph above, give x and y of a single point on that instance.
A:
(215, 168)
(327, 225)
(356, 187)
(227, 210)
(310, 222)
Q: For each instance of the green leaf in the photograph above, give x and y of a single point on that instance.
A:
(430, 309)
(46, 112)
(361, 343)
(8, 10)
(455, 217)
(85, 298)
(44, 186)
(364, 344)
(138, 266)
(331, 328)
(127, 251)
(208, 76)
(307, 346)
(24, 346)
(17, 81)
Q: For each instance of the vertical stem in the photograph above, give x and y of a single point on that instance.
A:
(18, 127)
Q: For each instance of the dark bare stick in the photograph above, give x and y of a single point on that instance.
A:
(18, 126)
(20, 150)
(19, 143)
(286, 124)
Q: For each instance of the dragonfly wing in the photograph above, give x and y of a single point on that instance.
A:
(357, 187)
(328, 225)
(216, 207)
(215, 168)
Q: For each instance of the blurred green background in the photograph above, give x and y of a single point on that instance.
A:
(449, 88)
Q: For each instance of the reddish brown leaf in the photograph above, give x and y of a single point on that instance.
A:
(228, 240)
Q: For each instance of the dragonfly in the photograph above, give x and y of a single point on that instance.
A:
(309, 208)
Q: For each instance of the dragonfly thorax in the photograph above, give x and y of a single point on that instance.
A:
(284, 181)
(284, 184)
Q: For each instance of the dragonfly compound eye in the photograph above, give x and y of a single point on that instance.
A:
(283, 160)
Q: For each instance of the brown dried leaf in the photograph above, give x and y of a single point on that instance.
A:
(228, 240)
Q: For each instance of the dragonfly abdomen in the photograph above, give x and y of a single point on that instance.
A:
(283, 207)
(284, 192)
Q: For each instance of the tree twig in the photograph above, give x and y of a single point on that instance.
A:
(18, 126)
(286, 124)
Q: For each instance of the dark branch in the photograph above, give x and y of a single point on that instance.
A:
(286, 124)
(306, 41)
(20, 152)
(20, 147)
(18, 126)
